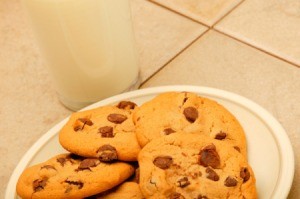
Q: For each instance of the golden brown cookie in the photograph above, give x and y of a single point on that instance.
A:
(107, 133)
(188, 165)
(68, 176)
(170, 112)
(127, 190)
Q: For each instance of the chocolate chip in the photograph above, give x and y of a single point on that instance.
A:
(209, 157)
(106, 132)
(87, 163)
(245, 174)
(169, 131)
(211, 174)
(79, 184)
(39, 184)
(175, 195)
(191, 114)
(183, 182)
(202, 197)
(163, 162)
(107, 153)
(116, 118)
(62, 161)
(126, 105)
(221, 135)
(230, 182)
(73, 156)
(78, 127)
(86, 121)
(48, 167)
(237, 148)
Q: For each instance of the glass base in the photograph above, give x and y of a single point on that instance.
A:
(75, 106)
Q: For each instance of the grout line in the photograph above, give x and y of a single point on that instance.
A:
(174, 57)
(230, 11)
(258, 48)
(174, 11)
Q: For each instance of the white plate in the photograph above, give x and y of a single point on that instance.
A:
(269, 149)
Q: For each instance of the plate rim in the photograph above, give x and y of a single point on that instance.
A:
(287, 163)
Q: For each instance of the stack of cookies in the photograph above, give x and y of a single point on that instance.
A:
(175, 146)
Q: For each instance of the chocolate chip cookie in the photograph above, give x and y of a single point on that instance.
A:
(106, 132)
(171, 112)
(127, 190)
(187, 165)
(69, 176)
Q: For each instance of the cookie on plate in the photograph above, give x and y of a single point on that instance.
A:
(174, 111)
(69, 176)
(127, 190)
(107, 133)
(187, 165)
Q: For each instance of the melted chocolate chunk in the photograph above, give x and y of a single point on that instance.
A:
(86, 121)
(230, 182)
(209, 157)
(107, 153)
(78, 183)
(175, 195)
(191, 114)
(87, 163)
(221, 136)
(245, 174)
(106, 132)
(211, 174)
(126, 105)
(202, 197)
(163, 162)
(48, 167)
(39, 184)
(169, 131)
(183, 182)
(116, 118)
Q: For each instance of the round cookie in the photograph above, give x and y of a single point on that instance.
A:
(130, 190)
(187, 165)
(173, 111)
(106, 132)
(68, 176)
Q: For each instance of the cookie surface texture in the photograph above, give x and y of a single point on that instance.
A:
(68, 176)
(170, 112)
(106, 132)
(127, 190)
(187, 165)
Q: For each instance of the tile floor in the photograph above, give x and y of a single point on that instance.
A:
(250, 47)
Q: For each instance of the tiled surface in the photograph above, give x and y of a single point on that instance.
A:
(207, 12)
(272, 25)
(156, 48)
(29, 105)
(238, 68)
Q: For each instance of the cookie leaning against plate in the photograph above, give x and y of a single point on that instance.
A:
(187, 165)
(68, 176)
(174, 111)
(106, 132)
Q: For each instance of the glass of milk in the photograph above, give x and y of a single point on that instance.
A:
(89, 46)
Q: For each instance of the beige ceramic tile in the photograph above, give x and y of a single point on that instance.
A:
(218, 61)
(272, 25)
(160, 35)
(204, 11)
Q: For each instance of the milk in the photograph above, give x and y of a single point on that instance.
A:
(89, 46)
